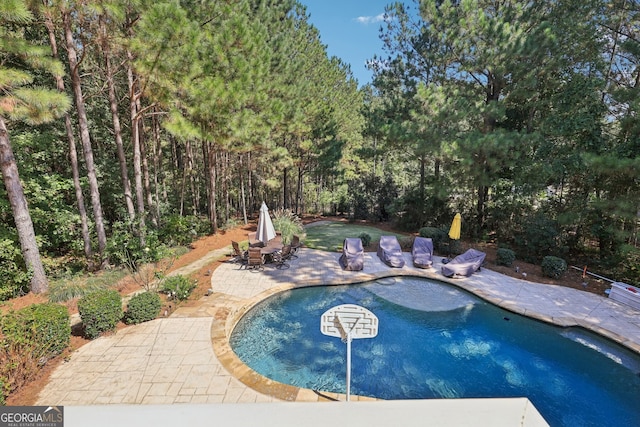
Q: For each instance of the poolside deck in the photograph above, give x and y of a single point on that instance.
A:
(186, 357)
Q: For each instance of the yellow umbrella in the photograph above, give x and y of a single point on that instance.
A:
(454, 231)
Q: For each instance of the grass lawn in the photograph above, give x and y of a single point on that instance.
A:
(330, 237)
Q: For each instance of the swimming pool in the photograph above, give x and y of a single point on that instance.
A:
(436, 341)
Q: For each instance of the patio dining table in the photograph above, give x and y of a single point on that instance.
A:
(272, 246)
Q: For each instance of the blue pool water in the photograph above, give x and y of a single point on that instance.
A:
(436, 341)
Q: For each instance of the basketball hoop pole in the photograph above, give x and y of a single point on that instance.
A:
(348, 366)
(347, 322)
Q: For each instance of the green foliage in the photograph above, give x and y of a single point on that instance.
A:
(4, 391)
(505, 256)
(406, 242)
(182, 230)
(437, 235)
(100, 312)
(30, 337)
(628, 270)
(14, 277)
(230, 223)
(43, 328)
(178, 287)
(372, 198)
(553, 267)
(288, 224)
(539, 236)
(366, 239)
(142, 308)
(65, 289)
(124, 247)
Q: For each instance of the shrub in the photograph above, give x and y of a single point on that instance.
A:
(14, 278)
(124, 248)
(3, 391)
(366, 239)
(539, 236)
(437, 235)
(406, 242)
(553, 267)
(28, 339)
(142, 308)
(505, 256)
(182, 230)
(178, 287)
(100, 312)
(288, 224)
(46, 326)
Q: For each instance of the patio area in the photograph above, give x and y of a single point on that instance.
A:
(186, 358)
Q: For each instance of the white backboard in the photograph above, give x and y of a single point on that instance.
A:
(341, 320)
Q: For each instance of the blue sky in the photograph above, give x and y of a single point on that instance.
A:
(350, 29)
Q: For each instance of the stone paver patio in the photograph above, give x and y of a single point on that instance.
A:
(186, 358)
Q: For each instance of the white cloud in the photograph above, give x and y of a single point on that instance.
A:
(366, 20)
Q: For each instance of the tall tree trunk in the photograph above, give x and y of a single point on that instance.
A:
(243, 202)
(285, 188)
(117, 130)
(213, 215)
(85, 137)
(189, 173)
(300, 191)
(135, 142)
(73, 153)
(21, 216)
(145, 174)
(157, 162)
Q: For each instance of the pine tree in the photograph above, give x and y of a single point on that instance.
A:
(21, 101)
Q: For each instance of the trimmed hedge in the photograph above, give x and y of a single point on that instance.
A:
(505, 256)
(142, 308)
(553, 267)
(100, 312)
(45, 328)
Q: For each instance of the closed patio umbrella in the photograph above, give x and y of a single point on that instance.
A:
(454, 231)
(265, 230)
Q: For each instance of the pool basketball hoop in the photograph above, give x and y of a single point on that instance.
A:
(348, 322)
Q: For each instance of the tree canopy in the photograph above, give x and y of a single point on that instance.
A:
(522, 116)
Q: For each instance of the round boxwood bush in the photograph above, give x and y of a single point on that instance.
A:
(100, 312)
(553, 267)
(43, 328)
(505, 256)
(142, 308)
(366, 239)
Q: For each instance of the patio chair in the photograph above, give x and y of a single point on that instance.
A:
(255, 260)
(295, 245)
(239, 256)
(280, 258)
(422, 252)
(390, 252)
(253, 241)
(352, 258)
(464, 264)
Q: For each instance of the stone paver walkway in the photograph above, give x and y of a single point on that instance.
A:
(186, 358)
